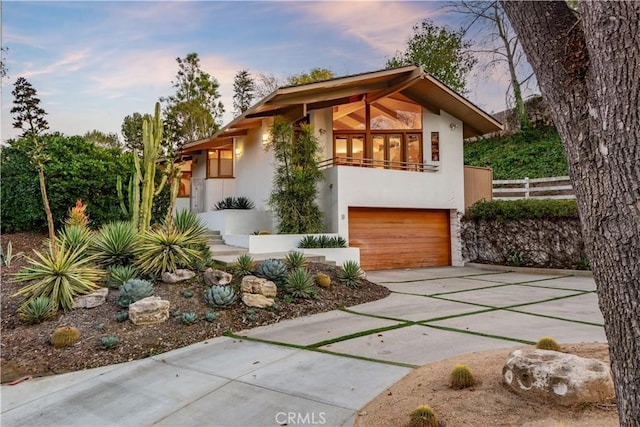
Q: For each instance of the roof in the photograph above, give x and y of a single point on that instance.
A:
(293, 102)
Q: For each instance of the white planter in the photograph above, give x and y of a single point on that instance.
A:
(237, 221)
(337, 255)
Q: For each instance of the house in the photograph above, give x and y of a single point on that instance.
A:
(392, 158)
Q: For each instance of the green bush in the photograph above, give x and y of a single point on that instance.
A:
(322, 241)
(351, 274)
(510, 210)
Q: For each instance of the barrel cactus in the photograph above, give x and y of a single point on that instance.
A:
(423, 416)
(461, 377)
(134, 290)
(323, 280)
(272, 269)
(548, 343)
(64, 336)
(220, 296)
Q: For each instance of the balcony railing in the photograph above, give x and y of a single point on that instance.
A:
(377, 164)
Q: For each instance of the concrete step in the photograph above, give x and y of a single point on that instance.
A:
(219, 250)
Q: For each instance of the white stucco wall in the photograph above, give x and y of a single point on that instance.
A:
(254, 167)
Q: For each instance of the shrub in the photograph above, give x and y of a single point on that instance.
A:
(189, 318)
(36, 310)
(461, 377)
(220, 296)
(272, 269)
(510, 210)
(583, 264)
(134, 290)
(108, 342)
(118, 274)
(166, 249)
(423, 416)
(322, 241)
(295, 260)
(234, 203)
(244, 265)
(300, 284)
(115, 244)
(59, 275)
(186, 221)
(64, 336)
(548, 343)
(351, 274)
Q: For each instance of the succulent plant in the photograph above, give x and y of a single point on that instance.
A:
(220, 296)
(119, 274)
(351, 274)
(187, 294)
(64, 336)
(210, 316)
(323, 280)
(548, 343)
(423, 416)
(251, 315)
(461, 377)
(272, 269)
(189, 318)
(176, 313)
(121, 316)
(295, 260)
(300, 284)
(244, 265)
(37, 309)
(134, 290)
(108, 342)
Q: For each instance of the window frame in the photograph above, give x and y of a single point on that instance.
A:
(219, 158)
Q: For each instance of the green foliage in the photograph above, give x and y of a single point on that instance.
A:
(152, 130)
(166, 249)
(243, 92)
(251, 315)
(314, 75)
(37, 309)
(109, 342)
(296, 175)
(511, 210)
(517, 258)
(272, 269)
(535, 153)
(439, 51)
(132, 131)
(220, 296)
(583, 264)
(134, 290)
(322, 241)
(187, 294)
(461, 377)
(295, 260)
(115, 244)
(186, 221)
(423, 416)
(101, 139)
(244, 265)
(7, 257)
(300, 284)
(118, 274)
(75, 237)
(121, 316)
(351, 274)
(64, 336)
(189, 318)
(210, 316)
(59, 275)
(548, 343)
(234, 203)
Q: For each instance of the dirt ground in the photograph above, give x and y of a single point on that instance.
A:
(489, 403)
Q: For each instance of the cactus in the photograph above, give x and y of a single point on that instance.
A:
(272, 269)
(121, 316)
(210, 316)
(108, 342)
(189, 318)
(220, 296)
(134, 290)
(64, 336)
(461, 377)
(423, 416)
(323, 280)
(548, 343)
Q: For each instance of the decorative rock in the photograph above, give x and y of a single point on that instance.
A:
(565, 379)
(257, 300)
(216, 277)
(258, 285)
(94, 299)
(149, 310)
(179, 276)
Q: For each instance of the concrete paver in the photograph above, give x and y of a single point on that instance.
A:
(582, 307)
(508, 295)
(438, 286)
(574, 282)
(516, 277)
(386, 276)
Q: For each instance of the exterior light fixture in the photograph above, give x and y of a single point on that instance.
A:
(453, 126)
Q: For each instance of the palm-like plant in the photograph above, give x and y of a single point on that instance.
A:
(244, 265)
(60, 274)
(351, 274)
(300, 284)
(295, 260)
(115, 244)
(74, 237)
(165, 249)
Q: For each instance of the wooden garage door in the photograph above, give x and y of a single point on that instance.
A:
(400, 238)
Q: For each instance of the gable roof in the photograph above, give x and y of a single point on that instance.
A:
(293, 102)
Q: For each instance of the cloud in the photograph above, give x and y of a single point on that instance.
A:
(69, 63)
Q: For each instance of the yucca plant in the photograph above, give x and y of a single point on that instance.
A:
(244, 265)
(295, 260)
(37, 309)
(185, 220)
(118, 274)
(60, 274)
(300, 284)
(115, 243)
(165, 249)
(7, 257)
(351, 274)
(243, 203)
(74, 237)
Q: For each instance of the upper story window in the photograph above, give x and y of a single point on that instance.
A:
(184, 190)
(220, 162)
(395, 113)
(350, 116)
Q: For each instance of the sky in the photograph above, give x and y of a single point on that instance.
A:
(95, 62)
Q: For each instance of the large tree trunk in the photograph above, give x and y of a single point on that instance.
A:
(588, 69)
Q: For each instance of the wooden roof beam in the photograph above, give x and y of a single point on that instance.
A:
(396, 85)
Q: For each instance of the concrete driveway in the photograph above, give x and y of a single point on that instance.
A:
(321, 369)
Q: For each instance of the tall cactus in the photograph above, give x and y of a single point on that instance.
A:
(151, 140)
(133, 212)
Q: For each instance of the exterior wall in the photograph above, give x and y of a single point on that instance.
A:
(236, 221)
(254, 167)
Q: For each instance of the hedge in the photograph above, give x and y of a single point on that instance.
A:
(510, 210)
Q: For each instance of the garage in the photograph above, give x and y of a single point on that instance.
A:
(400, 238)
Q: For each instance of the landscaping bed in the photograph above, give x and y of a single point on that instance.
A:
(25, 348)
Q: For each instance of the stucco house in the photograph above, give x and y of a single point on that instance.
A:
(392, 159)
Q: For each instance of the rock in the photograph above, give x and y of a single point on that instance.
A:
(149, 310)
(179, 276)
(91, 300)
(258, 285)
(257, 300)
(216, 277)
(566, 379)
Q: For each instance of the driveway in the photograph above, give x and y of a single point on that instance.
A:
(320, 369)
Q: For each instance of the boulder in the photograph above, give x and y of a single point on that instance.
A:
(179, 276)
(216, 277)
(149, 310)
(566, 379)
(257, 300)
(258, 285)
(94, 299)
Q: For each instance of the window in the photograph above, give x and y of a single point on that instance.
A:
(435, 146)
(185, 184)
(349, 149)
(394, 113)
(349, 116)
(220, 163)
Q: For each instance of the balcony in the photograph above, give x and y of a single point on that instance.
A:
(377, 164)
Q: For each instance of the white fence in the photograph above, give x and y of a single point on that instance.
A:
(556, 187)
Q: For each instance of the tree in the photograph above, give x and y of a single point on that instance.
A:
(586, 67)
(314, 75)
(500, 43)
(440, 52)
(293, 198)
(132, 131)
(30, 118)
(266, 84)
(3, 61)
(101, 139)
(243, 92)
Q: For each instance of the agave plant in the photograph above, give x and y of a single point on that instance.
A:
(165, 249)
(300, 284)
(115, 244)
(108, 342)
(295, 260)
(60, 274)
(134, 290)
(118, 274)
(243, 203)
(186, 221)
(220, 296)
(74, 237)
(272, 269)
(37, 309)
(351, 274)
(226, 203)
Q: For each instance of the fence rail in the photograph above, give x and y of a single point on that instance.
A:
(377, 164)
(555, 187)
